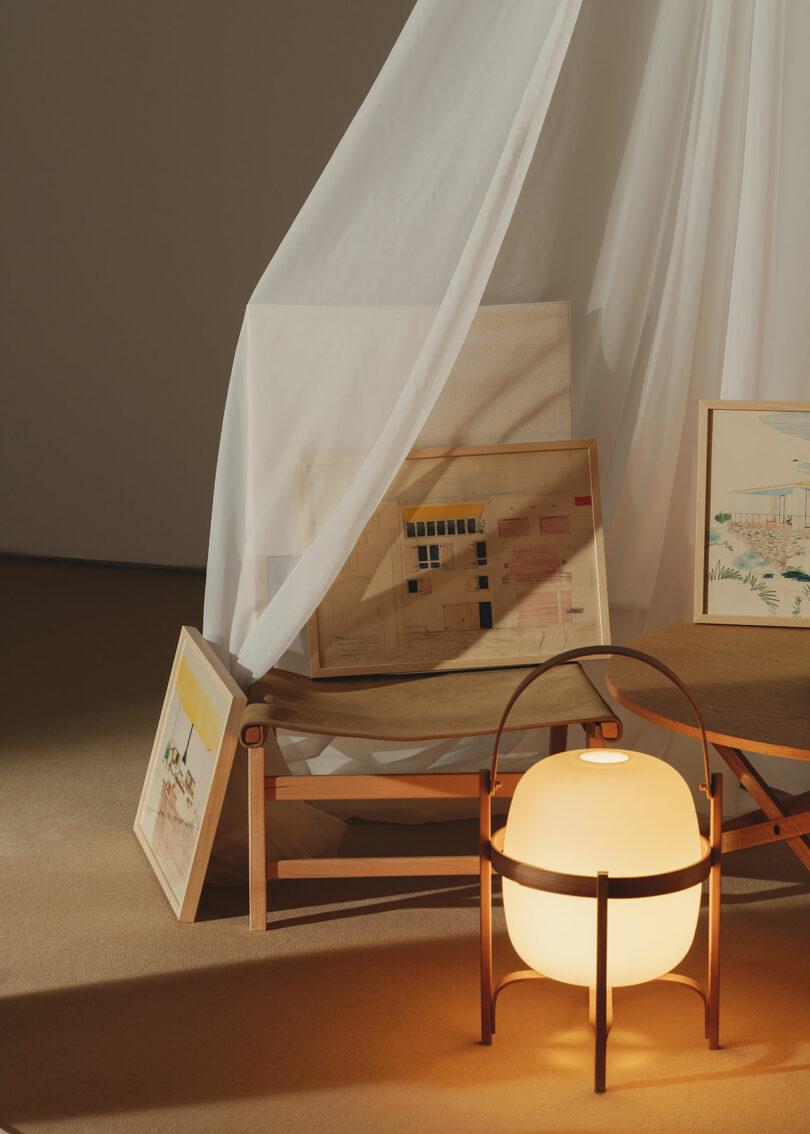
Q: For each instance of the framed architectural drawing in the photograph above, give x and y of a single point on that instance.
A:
(188, 771)
(476, 557)
(752, 547)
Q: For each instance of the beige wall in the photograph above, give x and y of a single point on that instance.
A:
(155, 152)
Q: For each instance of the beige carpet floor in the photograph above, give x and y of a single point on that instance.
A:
(358, 1011)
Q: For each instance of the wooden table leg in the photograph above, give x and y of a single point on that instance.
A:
(792, 804)
(759, 790)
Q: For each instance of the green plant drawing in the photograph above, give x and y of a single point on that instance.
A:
(723, 517)
(721, 572)
(760, 588)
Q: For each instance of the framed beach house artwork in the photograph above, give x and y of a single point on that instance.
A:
(188, 771)
(753, 514)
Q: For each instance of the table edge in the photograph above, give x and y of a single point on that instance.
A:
(714, 737)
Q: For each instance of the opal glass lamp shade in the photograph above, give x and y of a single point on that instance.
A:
(588, 811)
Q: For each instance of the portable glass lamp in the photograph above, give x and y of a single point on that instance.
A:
(602, 865)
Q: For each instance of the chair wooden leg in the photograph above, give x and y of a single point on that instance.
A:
(593, 732)
(257, 854)
(558, 739)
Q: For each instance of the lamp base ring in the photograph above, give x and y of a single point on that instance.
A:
(688, 982)
(513, 978)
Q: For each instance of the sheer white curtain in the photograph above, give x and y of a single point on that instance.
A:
(647, 160)
(357, 321)
(676, 131)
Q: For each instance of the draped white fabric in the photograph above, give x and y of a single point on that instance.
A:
(356, 323)
(679, 127)
(649, 161)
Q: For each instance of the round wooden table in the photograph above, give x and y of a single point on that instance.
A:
(752, 686)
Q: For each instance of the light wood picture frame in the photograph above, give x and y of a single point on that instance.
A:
(476, 557)
(752, 541)
(188, 770)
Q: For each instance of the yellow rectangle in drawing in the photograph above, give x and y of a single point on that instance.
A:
(470, 509)
(198, 708)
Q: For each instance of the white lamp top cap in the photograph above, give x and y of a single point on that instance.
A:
(604, 756)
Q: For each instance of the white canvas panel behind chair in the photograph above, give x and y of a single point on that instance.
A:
(510, 383)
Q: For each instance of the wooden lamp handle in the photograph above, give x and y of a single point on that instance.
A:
(595, 652)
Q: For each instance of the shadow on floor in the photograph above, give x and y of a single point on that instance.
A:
(335, 1018)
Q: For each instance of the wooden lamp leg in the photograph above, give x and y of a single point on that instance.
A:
(715, 879)
(485, 871)
(601, 991)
